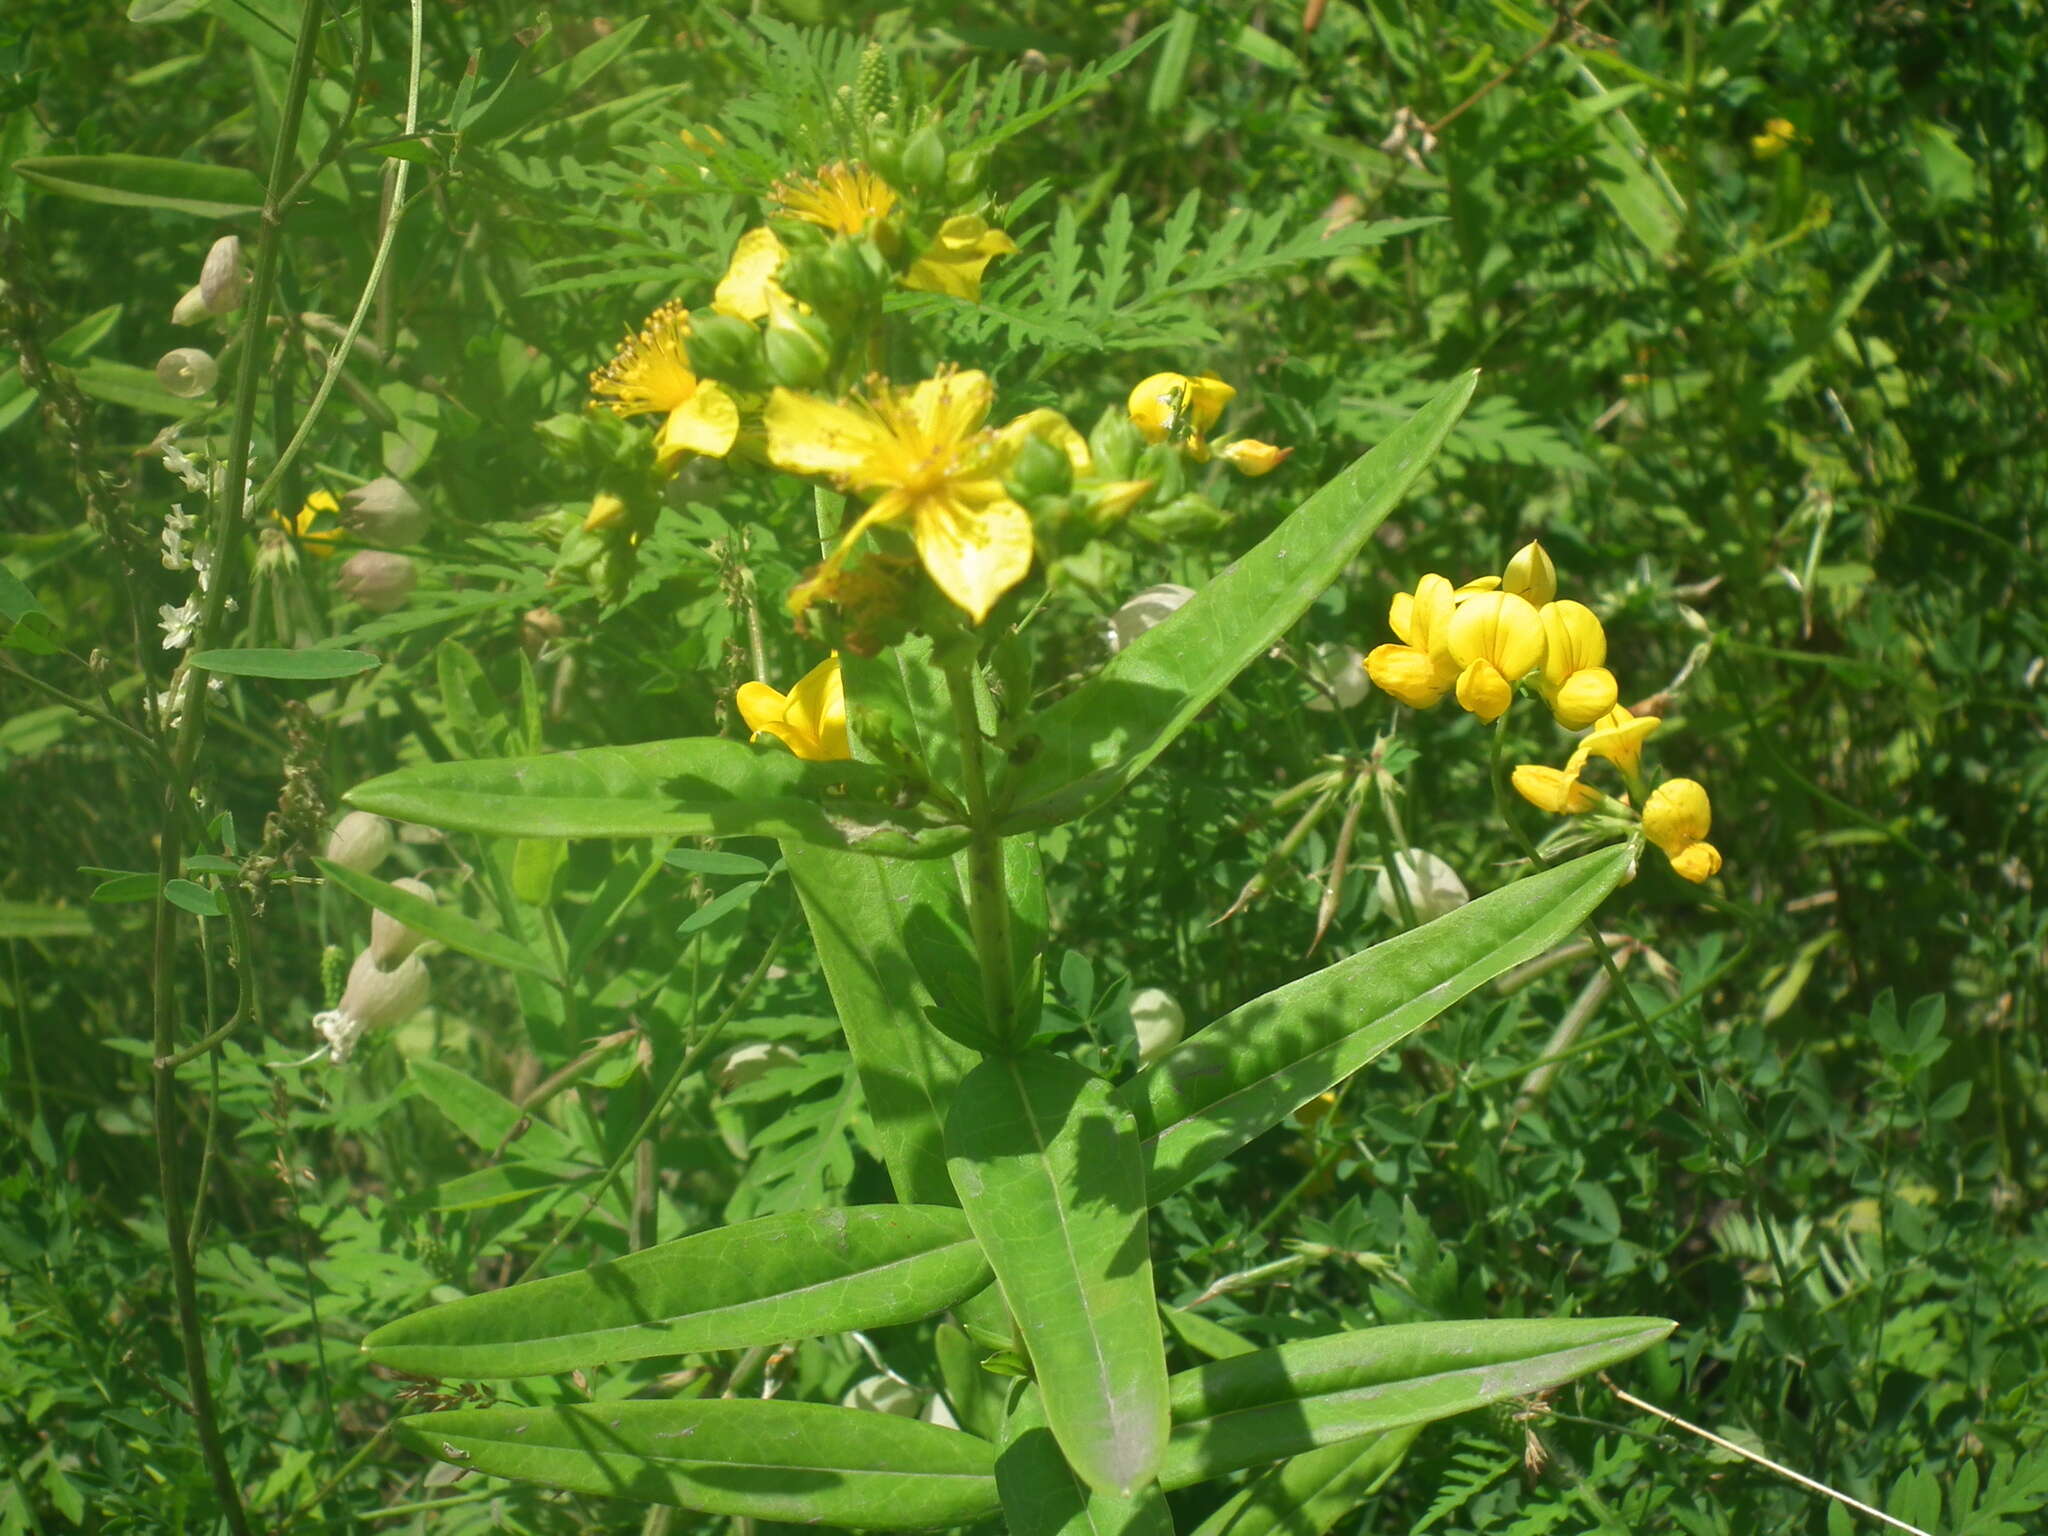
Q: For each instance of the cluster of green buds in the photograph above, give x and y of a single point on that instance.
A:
(1485, 641)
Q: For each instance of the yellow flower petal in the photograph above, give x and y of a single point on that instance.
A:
(845, 199)
(973, 553)
(743, 291)
(1618, 737)
(1697, 862)
(1408, 675)
(1677, 814)
(1573, 641)
(964, 245)
(1530, 573)
(1483, 691)
(1501, 629)
(1250, 457)
(1585, 696)
(651, 370)
(607, 509)
(941, 413)
(707, 423)
(809, 436)
(1167, 403)
(1561, 794)
(810, 719)
(316, 528)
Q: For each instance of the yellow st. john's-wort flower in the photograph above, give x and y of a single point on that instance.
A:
(1178, 406)
(1496, 639)
(1575, 682)
(317, 528)
(953, 263)
(652, 373)
(810, 719)
(1419, 671)
(750, 282)
(1677, 819)
(924, 451)
(844, 199)
(1617, 736)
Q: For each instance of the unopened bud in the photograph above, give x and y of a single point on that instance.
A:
(223, 280)
(377, 579)
(1040, 469)
(884, 1394)
(377, 998)
(537, 626)
(728, 349)
(924, 161)
(191, 309)
(390, 940)
(607, 510)
(1248, 456)
(1147, 610)
(1158, 1021)
(187, 372)
(360, 842)
(384, 512)
(798, 346)
(965, 172)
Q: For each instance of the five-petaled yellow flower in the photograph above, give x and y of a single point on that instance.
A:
(1175, 405)
(844, 199)
(953, 263)
(652, 373)
(1677, 819)
(923, 455)
(810, 719)
(1419, 671)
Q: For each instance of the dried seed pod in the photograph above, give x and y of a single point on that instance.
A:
(187, 372)
(223, 280)
(390, 940)
(360, 842)
(377, 579)
(384, 512)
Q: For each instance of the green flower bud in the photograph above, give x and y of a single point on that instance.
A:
(885, 152)
(798, 346)
(729, 350)
(965, 173)
(1040, 469)
(1166, 467)
(1115, 445)
(924, 162)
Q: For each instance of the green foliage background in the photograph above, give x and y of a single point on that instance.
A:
(1790, 408)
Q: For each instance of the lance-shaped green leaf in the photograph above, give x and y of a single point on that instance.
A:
(1083, 749)
(802, 1463)
(692, 787)
(1287, 1401)
(1305, 1495)
(458, 932)
(858, 910)
(147, 181)
(1256, 1065)
(792, 1276)
(1050, 1173)
(1043, 1496)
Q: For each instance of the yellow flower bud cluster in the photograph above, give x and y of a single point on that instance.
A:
(1482, 641)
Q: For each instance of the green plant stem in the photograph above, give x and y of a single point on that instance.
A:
(988, 904)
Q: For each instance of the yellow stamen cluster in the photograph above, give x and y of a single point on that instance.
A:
(844, 199)
(651, 371)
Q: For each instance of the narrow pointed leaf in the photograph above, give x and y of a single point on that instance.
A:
(1050, 1174)
(1307, 1494)
(147, 181)
(1044, 1496)
(450, 927)
(291, 666)
(1083, 749)
(859, 910)
(800, 1463)
(1253, 1067)
(692, 787)
(792, 1276)
(1290, 1400)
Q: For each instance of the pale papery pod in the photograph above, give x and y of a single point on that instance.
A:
(378, 579)
(390, 940)
(360, 841)
(1149, 609)
(223, 280)
(187, 372)
(748, 1062)
(384, 512)
(1342, 670)
(1433, 886)
(377, 998)
(884, 1394)
(190, 308)
(1159, 1022)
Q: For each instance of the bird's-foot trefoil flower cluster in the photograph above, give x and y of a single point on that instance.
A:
(1483, 642)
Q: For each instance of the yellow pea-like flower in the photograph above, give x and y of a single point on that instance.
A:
(1419, 671)
(1575, 683)
(1554, 790)
(1531, 574)
(1677, 818)
(810, 719)
(1496, 639)
(1248, 456)
(1167, 404)
(1617, 736)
